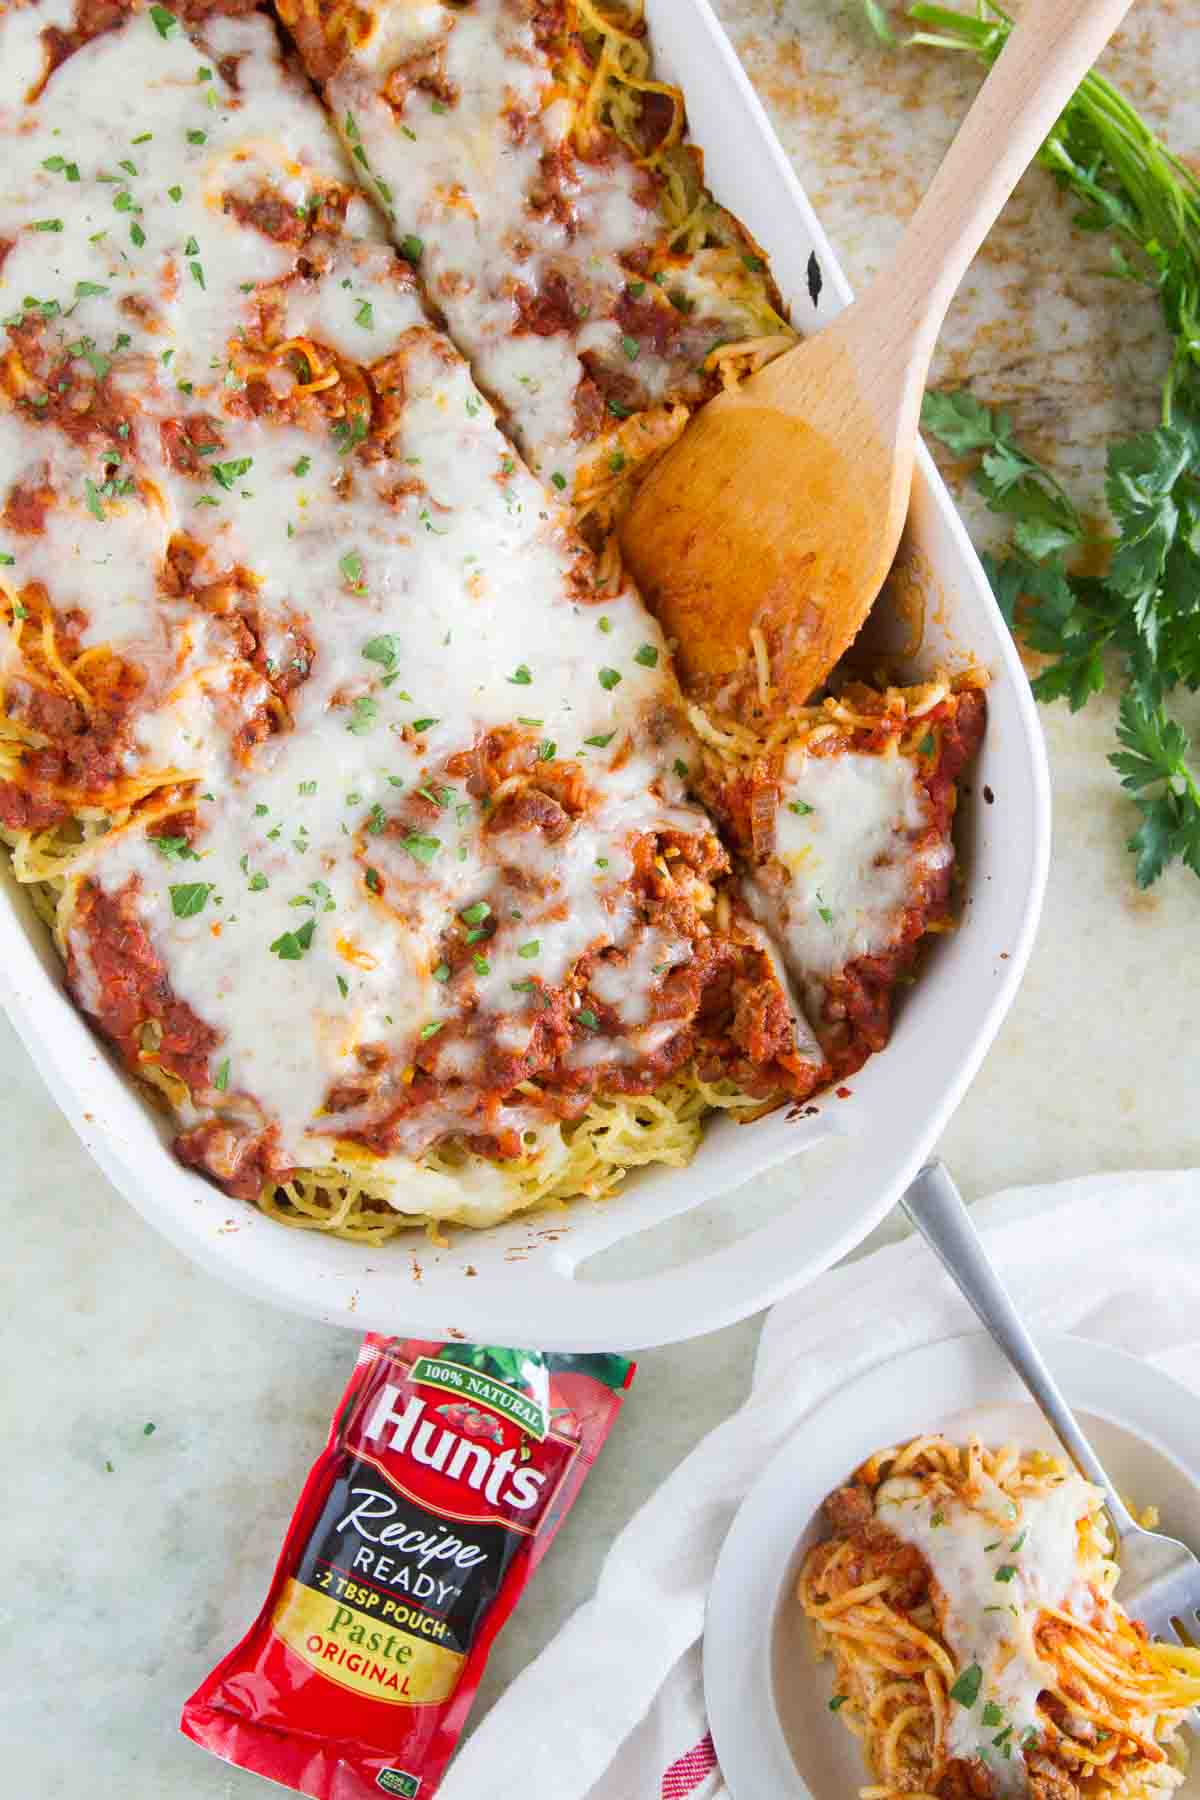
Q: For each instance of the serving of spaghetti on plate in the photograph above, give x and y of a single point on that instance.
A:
(348, 771)
(939, 1617)
(966, 1597)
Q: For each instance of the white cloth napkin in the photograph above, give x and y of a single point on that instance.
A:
(613, 1709)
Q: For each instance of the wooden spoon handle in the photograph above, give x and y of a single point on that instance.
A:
(1050, 50)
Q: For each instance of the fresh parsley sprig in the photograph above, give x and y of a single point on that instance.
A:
(1138, 620)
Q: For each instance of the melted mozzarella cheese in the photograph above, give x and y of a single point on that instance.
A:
(487, 183)
(427, 597)
(853, 844)
(995, 1564)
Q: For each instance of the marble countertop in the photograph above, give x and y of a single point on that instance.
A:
(127, 1582)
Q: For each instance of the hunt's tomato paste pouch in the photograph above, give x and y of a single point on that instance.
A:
(448, 1470)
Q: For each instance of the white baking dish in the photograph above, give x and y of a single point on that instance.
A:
(527, 1282)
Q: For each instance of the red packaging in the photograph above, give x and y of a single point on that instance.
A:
(448, 1470)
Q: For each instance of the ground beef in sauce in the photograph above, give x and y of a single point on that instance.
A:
(129, 985)
(851, 1514)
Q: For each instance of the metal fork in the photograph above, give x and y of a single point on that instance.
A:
(1160, 1577)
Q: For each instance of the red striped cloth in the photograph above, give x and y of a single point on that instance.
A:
(686, 1774)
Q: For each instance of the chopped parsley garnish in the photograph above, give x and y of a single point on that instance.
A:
(84, 288)
(800, 807)
(99, 365)
(647, 655)
(197, 137)
(992, 1714)
(364, 315)
(302, 466)
(937, 1518)
(221, 1079)
(838, 1701)
(383, 649)
(587, 1017)
(823, 911)
(376, 820)
(681, 768)
(422, 848)
(165, 23)
(1005, 1572)
(442, 972)
(291, 945)
(351, 568)
(174, 849)
(966, 1689)
(547, 750)
(47, 224)
(423, 724)
(364, 714)
(226, 473)
(559, 480)
(411, 248)
(631, 347)
(520, 676)
(609, 678)
(258, 883)
(604, 623)
(175, 194)
(1018, 1541)
(197, 273)
(306, 787)
(601, 740)
(531, 949)
(373, 882)
(475, 915)
(343, 986)
(349, 432)
(482, 965)
(189, 897)
(432, 1029)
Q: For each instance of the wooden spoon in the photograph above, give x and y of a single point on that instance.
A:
(780, 508)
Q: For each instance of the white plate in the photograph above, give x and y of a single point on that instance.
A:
(767, 1697)
(530, 1282)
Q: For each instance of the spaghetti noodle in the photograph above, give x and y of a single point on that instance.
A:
(966, 1598)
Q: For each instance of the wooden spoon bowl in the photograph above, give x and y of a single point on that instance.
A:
(763, 539)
